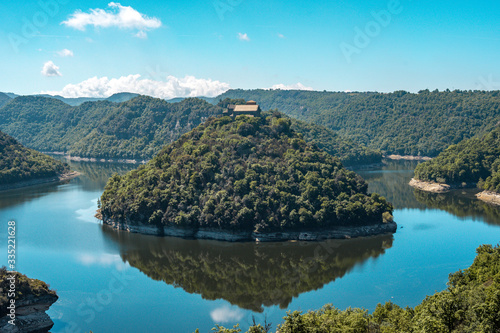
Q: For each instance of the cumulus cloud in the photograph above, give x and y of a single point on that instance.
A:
(50, 69)
(123, 17)
(243, 37)
(296, 86)
(65, 53)
(226, 314)
(188, 86)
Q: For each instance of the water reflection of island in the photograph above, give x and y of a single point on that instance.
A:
(461, 203)
(248, 275)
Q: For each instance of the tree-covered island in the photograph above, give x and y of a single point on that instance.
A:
(242, 179)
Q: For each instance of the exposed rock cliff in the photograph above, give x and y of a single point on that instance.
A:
(32, 298)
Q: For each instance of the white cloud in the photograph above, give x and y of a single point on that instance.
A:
(50, 69)
(226, 314)
(244, 37)
(281, 36)
(188, 86)
(123, 17)
(141, 34)
(296, 86)
(65, 53)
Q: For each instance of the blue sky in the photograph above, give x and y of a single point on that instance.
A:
(207, 46)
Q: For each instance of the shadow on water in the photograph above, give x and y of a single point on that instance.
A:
(248, 275)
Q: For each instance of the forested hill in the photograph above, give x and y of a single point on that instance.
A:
(396, 123)
(248, 174)
(4, 99)
(475, 160)
(135, 129)
(117, 98)
(18, 163)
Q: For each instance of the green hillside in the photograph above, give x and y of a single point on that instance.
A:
(396, 123)
(475, 160)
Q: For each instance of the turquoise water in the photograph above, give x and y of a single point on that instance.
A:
(110, 281)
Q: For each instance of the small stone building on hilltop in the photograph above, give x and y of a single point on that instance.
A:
(251, 109)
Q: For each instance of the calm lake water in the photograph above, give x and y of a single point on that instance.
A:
(110, 281)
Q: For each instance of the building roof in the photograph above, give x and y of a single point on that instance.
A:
(246, 108)
(251, 103)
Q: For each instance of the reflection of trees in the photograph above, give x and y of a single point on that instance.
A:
(249, 275)
(21, 195)
(392, 182)
(95, 175)
(461, 203)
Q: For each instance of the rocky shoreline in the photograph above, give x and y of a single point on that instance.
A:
(408, 157)
(32, 182)
(489, 197)
(25, 309)
(95, 159)
(30, 315)
(429, 186)
(438, 187)
(244, 236)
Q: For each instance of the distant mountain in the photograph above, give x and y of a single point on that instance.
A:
(116, 98)
(121, 97)
(4, 99)
(211, 100)
(11, 95)
(396, 123)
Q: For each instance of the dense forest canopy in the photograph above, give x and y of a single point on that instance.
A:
(396, 123)
(475, 160)
(18, 163)
(136, 129)
(248, 174)
(471, 303)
